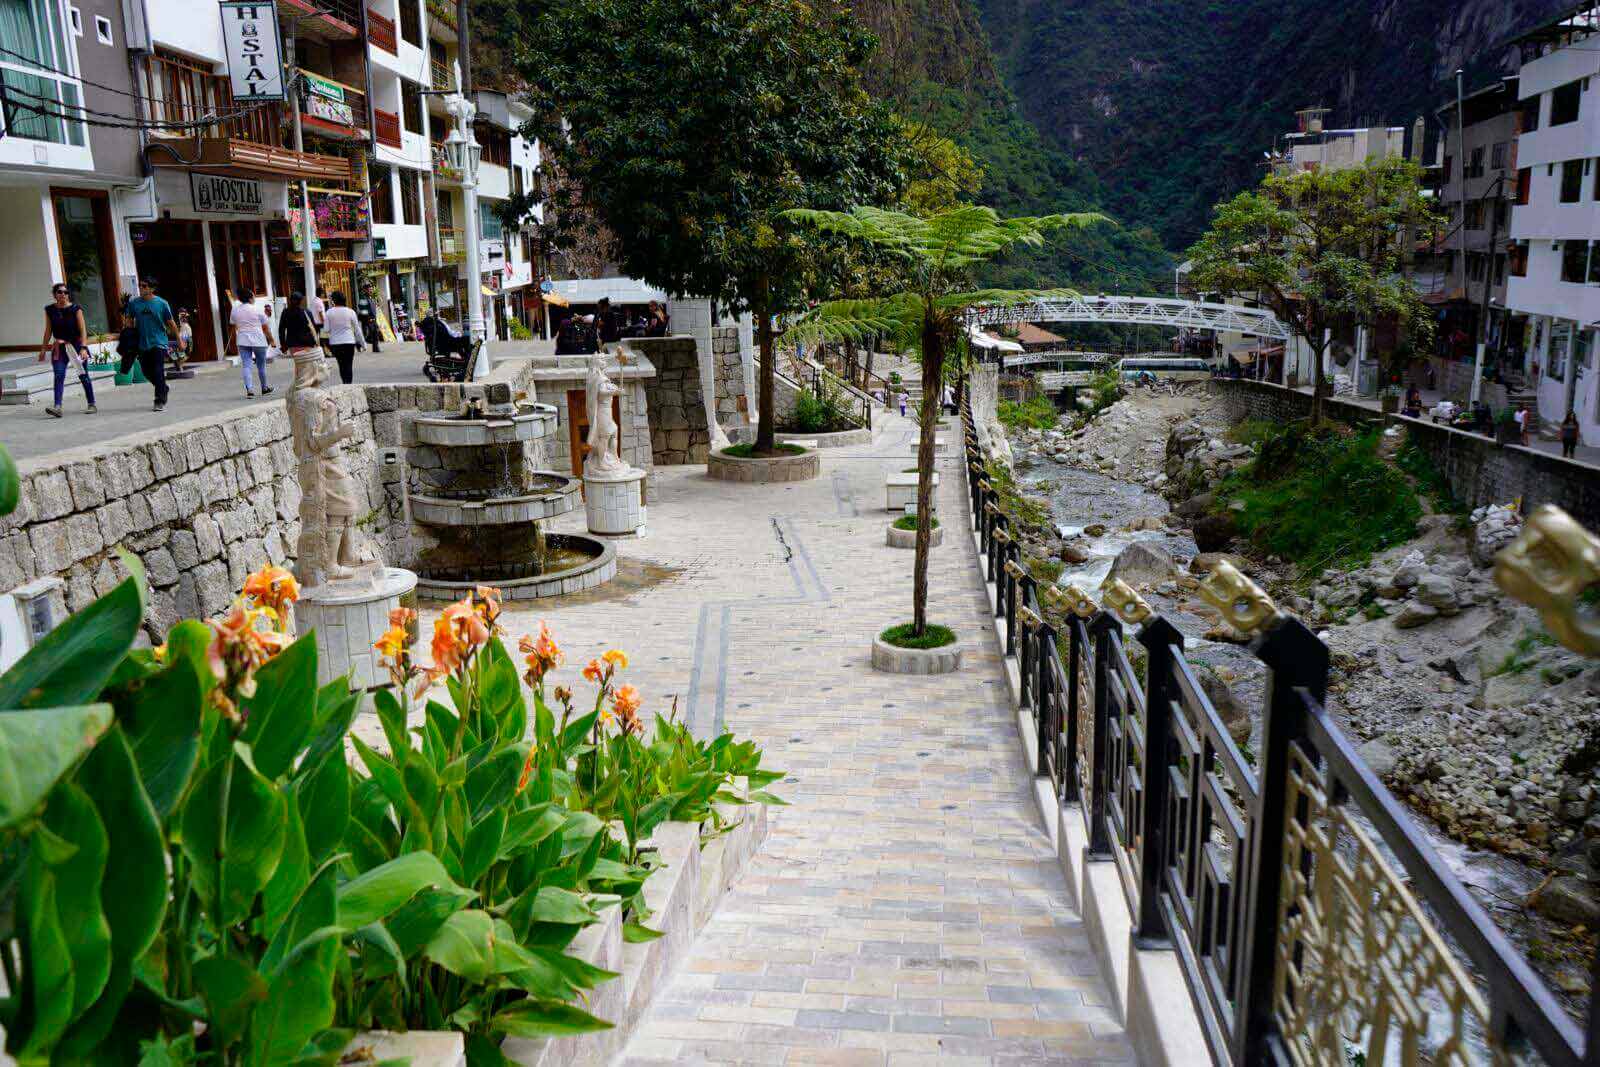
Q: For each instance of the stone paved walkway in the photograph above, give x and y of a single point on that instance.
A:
(906, 908)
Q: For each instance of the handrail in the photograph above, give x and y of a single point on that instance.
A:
(1305, 908)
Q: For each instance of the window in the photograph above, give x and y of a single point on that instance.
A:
(1560, 342)
(1524, 184)
(1475, 163)
(1528, 115)
(1572, 181)
(102, 30)
(1518, 260)
(1475, 214)
(411, 22)
(1574, 261)
(33, 66)
(1498, 157)
(410, 198)
(410, 107)
(1564, 102)
(382, 196)
(1475, 266)
(88, 262)
(75, 20)
(492, 228)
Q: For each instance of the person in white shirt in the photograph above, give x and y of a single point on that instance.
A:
(251, 329)
(344, 336)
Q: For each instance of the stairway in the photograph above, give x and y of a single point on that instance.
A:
(1519, 395)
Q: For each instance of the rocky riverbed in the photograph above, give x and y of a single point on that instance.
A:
(1460, 700)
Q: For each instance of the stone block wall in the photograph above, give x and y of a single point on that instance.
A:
(201, 503)
(1479, 470)
(729, 376)
(678, 432)
(634, 428)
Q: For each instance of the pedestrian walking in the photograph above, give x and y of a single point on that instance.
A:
(64, 334)
(151, 317)
(297, 330)
(250, 328)
(318, 306)
(1569, 435)
(344, 336)
(1522, 424)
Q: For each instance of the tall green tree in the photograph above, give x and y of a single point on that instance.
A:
(1320, 247)
(927, 316)
(690, 125)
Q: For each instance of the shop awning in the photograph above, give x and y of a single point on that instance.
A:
(488, 291)
(555, 300)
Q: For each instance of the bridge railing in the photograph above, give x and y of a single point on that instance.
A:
(1313, 922)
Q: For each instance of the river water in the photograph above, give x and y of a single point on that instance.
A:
(1080, 498)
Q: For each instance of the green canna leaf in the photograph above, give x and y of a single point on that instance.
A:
(380, 892)
(38, 747)
(281, 710)
(72, 663)
(323, 797)
(257, 825)
(232, 990)
(545, 1018)
(160, 716)
(464, 945)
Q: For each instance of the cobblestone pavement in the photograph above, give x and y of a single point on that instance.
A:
(906, 908)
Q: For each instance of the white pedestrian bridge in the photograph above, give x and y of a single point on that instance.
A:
(1138, 311)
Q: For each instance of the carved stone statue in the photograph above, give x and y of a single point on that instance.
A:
(329, 547)
(602, 460)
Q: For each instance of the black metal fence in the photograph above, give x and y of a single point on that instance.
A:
(1302, 939)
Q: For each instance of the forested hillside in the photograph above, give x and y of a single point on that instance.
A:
(1171, 102)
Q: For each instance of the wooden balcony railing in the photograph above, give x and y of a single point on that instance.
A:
(386, 127)
(380, 31)
(177, 90)
(452, 245)
(442, 78)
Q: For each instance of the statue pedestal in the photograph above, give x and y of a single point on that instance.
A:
(348, 618)
(614, 503)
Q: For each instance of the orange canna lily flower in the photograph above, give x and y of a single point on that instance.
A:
(594, 672)
(239, 645)
(617, 658)
(626, 704)
(457, 631)
(272, 587)
(392, 645)
(402, 617)
(543, 654)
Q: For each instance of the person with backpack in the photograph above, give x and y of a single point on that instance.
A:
(297, 330)
(64, 326)
(151, 319)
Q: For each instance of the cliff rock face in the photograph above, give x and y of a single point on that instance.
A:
(1172, 102)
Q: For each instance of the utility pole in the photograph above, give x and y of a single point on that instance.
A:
(310, 271)
(1461, 198)
(1488, 286)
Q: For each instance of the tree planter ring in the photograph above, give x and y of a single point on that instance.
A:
(801, 467)
(892, 659)
(908, 538)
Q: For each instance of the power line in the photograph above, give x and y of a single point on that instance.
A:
(128, 123)
(63, 74)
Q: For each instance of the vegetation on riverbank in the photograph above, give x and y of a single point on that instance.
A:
(1035, 413)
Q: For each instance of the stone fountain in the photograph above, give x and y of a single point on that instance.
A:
(479, 497)
(346, 592)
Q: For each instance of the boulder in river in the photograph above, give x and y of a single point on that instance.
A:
(1196, 505)
(1233, 713)
(1072, 553)
(1143, 563)
(1570, 899)
(1213, 533)
(1414, 614)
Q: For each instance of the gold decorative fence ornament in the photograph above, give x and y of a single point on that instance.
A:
(1029, 618)
(1014, 568)
(1077, 601)
(1244, 605)
(1549, 565)
(1128, 605)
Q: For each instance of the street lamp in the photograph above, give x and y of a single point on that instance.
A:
(463, 153)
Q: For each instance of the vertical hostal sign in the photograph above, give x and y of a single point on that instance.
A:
(255, 49)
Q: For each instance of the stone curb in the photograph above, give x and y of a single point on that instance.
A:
(842, 439)
(908, 538)
(892, 660)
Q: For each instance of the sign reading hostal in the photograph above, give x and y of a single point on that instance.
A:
(217, 195)
(254, 48)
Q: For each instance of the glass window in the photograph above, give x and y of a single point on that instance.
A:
(1572, 181)
(1497, 158)
(35, 67)
(1560, 340)
(411, 22)
(1574, 261)
(80, 223)
(1528, 115)
(381, 194)
(491, 230)
(410, 200)
(1564, 103)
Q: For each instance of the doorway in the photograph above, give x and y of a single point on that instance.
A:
(173, 253)
(578, 427)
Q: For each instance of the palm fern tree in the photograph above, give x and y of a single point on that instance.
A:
(928, 316)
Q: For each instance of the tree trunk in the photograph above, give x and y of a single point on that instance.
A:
(1317, 386)
(932, 379)
(866, 371)
(768, 421)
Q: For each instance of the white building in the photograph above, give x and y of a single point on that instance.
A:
(1313, 147)
(1555, 222)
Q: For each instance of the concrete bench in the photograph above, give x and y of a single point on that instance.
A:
(900, 490)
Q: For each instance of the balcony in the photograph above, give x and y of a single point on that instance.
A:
(386, 127)
(441, 75)
(341, 215)
(326, 20)
(442, 16)
(247, 159)
(452, 245)
(380, 31)
(334, 110)
(442, 170)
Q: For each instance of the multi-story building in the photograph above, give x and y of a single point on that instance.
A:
(1314, 147)
(1476, 184)
(1554, 265)
(64, 179)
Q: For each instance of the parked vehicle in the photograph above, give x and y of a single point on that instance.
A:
(1170, 368)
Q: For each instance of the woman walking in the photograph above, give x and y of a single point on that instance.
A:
(251, 329)
(1569, 435)
(297, 330)
(64, 333)
(344, 336)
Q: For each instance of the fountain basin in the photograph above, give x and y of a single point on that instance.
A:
(531, 422)
(594, 563)
(499, 510)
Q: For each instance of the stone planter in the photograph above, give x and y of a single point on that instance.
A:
(908, 538)
(614, 507)
(894, 660)
(348, 618)
(797, 468)
(900, 491)
(841, 439)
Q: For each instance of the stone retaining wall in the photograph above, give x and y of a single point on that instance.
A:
(1478, 470)
(678, 433)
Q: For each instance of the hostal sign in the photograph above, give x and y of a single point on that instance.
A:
(217, 195)
(254, 48)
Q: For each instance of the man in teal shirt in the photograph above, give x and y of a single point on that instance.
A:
(152, 317)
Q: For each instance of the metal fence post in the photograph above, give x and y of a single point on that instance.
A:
(1046, 701)
(1027, 653)
(1076, 636)
(1100, 628)
(1297, 660)
(1161, 640)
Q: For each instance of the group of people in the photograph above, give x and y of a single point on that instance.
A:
(152, 333)
(581, 335)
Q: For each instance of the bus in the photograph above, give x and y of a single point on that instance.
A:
(1168, 368)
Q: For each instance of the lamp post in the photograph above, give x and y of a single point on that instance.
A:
(463, 152)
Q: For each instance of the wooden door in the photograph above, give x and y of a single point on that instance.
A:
(578, 427)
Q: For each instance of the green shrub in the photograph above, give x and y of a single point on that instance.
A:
(1417, 463)
(1252, 432)
(1106, 388)
(1322, 498)
(1038, 413)
(933, 636)
(1520, 659)
(517, 330)
(1045, 570)
(829, 413)
(909, 522)
(748, 451)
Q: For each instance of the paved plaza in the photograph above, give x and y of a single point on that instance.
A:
(907, 907)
